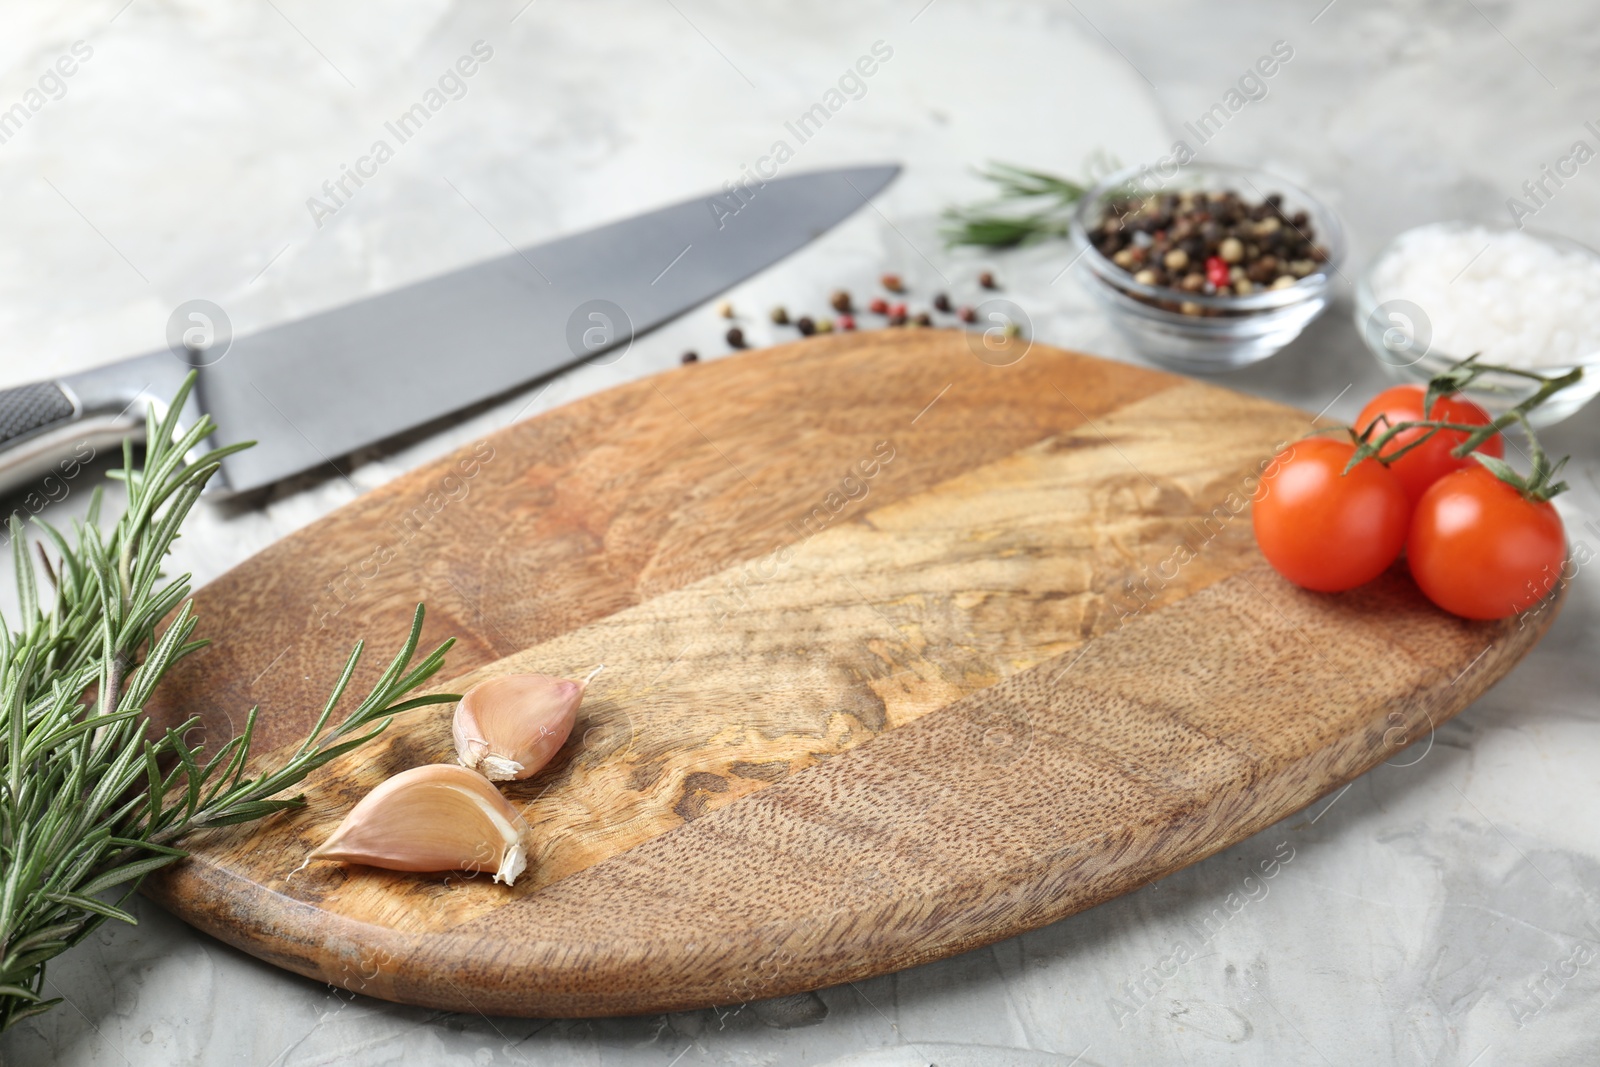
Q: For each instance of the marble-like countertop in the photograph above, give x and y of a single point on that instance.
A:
(1420, 906)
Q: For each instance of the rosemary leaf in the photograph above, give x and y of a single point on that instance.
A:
(1041, 208)
(91, 803)
(1000, 231)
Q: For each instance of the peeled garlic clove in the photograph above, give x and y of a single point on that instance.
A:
(435, 818)
(509, 727)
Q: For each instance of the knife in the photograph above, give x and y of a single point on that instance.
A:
(315, 389)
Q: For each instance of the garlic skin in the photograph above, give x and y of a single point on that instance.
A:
(508, 728)
(435, 818)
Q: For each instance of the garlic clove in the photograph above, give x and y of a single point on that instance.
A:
(434, 818)
(509, 727)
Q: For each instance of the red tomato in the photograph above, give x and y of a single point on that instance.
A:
(1479, 548)
(1323, 530)
(1431, 460)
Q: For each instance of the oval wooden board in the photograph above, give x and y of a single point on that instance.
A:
(905, 653)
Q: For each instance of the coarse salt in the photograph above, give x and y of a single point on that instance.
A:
(1519, 300)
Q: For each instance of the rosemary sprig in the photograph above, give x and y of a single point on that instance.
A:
(91, 803)
(989, 225)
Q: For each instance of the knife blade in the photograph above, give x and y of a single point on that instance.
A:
(312, 390)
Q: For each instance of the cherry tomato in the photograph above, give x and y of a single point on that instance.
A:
(1431, 460)
(1325, 530)
(1481, 549)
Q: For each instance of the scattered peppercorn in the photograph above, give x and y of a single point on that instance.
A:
(840, 300)
(1012, 329)
(691, 357)
(898, 309)
(966, 314)
(780, 315)
(824, 325)
(847, 322)
(897, 319)
(736, 337)
(878, 306)
(941, 302)
(986, 279)
(892, 283)
(923, 319)
(805, 326)
(725, 309)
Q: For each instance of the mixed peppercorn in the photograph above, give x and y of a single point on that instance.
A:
(1207, 244)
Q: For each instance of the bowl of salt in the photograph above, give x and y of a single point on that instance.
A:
(1442, 292)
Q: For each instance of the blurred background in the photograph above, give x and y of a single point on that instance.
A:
(186, 158)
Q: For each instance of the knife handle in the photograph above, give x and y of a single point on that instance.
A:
(30, 408)
(55, 427)
(46, 429)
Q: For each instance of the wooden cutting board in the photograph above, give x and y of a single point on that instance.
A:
(909, 647)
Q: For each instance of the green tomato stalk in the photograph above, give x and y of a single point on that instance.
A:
(1539, 484)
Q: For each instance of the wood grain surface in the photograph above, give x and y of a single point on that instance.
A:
(908, 649)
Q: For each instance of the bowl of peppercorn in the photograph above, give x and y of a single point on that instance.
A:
(1212, 268)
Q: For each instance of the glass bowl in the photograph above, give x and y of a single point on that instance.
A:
(1219, 332)
(1400, 335)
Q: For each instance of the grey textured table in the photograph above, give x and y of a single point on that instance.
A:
(1422, 915)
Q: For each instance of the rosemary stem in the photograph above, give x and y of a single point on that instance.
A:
(89, 808)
